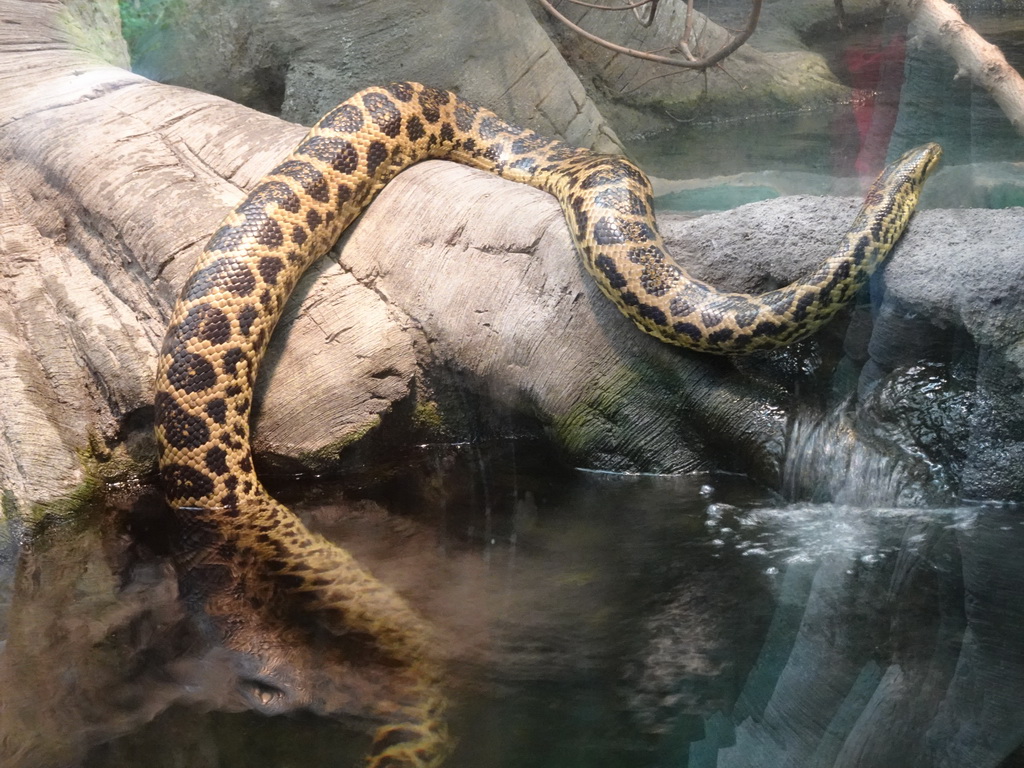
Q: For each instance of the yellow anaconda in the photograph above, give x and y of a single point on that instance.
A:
(232, 300)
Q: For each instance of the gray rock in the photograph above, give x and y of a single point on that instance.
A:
(299, 59)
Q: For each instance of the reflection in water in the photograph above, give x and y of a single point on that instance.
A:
(596, 619)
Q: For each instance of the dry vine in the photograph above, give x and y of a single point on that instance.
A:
(688, 60)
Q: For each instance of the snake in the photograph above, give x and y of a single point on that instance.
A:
(223, 319)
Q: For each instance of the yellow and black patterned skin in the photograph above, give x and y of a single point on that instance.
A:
(234, 297)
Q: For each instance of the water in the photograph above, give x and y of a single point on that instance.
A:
(593, 619)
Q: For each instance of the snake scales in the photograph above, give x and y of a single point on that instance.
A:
(231, 302)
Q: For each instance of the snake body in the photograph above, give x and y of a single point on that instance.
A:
(230, 304)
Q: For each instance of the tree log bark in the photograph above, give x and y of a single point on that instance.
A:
(983, 62)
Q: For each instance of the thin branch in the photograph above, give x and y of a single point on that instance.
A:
(703, 64)
(633, 6)
(650, 16)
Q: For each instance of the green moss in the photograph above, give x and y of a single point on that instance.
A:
(326, 458)
(102, 466)
(427, 418)
(68, 507)
(92, 26)
(584, 429)
(109, 465)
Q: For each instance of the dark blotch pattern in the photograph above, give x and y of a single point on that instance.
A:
(744, 315)
(529, 144)
(579, 215)
(246, 317)
(527, 164)
(414, 128)
(637, 231)
(270, 267)
(652, 313)
(401, 91)
(609, 231)
(229, 274)
(614, 170)
(181, 482)
(607, 267)
(431, 101)
(231, 360)
(659, 275)
(862, 249)
(270, 234)
(465, 115)
(274, 192)
(340, 154)
(348, 118)
(490, 127)
(780, 302)
(622, 200)
(217, 460)
(191, 373)
(494, 152)
(598, 178)
(217, 410)
(766, 328)
(803, 306)
(384, 113)
(680, 306)
(205, 322)
(308, 177)
(712, 314)
(181, 429)
(375, 155)
(688, 329)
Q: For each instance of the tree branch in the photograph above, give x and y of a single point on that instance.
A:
(976, 58)
(700, 64)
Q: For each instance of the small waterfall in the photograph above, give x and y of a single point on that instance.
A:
(829, 460)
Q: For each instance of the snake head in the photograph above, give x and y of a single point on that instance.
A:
(917, 163)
